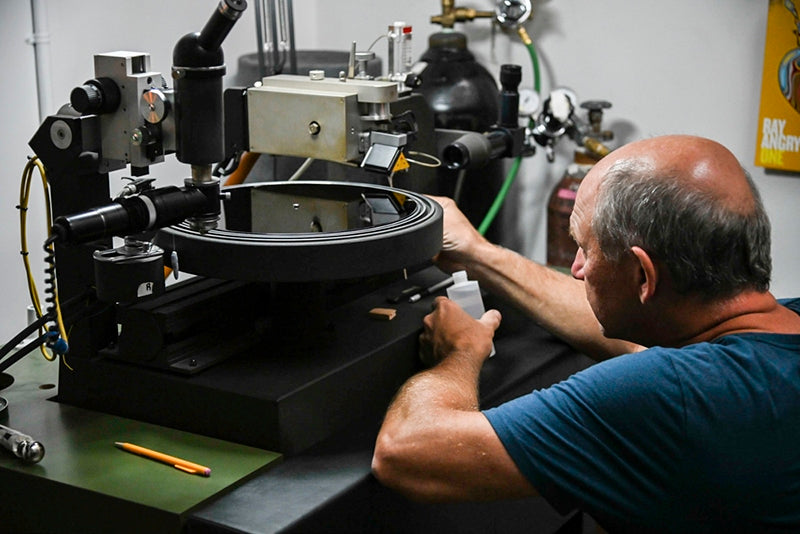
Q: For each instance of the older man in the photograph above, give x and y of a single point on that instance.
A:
(699, 432)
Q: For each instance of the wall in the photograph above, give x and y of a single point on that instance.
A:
(20, 118)
(687, 66)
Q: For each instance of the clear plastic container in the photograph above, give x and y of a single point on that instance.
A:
(467, 294)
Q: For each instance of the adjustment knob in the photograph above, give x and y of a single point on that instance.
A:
(510, 77)
(86, 99)
(153, 106)
(596, 105)
(95, 96)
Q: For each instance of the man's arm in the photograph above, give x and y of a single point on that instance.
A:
(553, 299)
(435, 445)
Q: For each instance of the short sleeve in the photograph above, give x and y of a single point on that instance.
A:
(602, 436)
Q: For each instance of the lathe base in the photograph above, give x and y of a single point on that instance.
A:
(280, 396)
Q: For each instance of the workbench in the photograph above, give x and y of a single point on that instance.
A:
(84, 484)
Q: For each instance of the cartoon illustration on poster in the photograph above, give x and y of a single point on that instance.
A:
(778, 139)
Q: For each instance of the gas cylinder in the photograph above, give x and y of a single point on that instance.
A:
(461, 92)
(463, 95)
(561, 248)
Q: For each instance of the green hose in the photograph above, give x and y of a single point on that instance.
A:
(535, 62)
(500, 198)
(512, 172)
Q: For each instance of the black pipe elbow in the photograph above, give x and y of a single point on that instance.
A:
(189, 53)
(198, 65)
(473, 149)
(203, 49)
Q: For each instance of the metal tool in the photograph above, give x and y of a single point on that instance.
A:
(23, 446)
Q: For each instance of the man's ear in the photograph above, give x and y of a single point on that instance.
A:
(648, 274)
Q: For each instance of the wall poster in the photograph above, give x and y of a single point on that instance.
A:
(778, 138)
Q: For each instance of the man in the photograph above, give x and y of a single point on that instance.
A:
(700, 432)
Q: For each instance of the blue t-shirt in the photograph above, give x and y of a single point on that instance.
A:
(705, 438)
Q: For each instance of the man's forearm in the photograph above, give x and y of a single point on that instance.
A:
(435, 445)
(553, 299)
(450, 385)
(418, 428)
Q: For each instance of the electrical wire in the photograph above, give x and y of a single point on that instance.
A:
(494, 209)
(383, 36)
(24, 198)
(243, 168)
(301, 170)
(19, 338)
(462, 174)
(22, 352)
(248, 161)
(54, 306)
(433, 163)
(226, 167)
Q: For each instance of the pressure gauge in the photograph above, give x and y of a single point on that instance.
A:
(512, 13)
(528, 102)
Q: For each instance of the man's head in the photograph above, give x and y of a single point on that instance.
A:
(683, 202)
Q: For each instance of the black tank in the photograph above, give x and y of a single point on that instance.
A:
(462, 93)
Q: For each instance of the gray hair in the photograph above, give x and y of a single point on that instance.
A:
(708, 248)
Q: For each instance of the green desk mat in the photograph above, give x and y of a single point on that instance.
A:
(80, 451)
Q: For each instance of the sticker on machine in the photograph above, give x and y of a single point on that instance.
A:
(145, 289)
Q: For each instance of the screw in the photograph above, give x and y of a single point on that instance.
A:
(137, 137)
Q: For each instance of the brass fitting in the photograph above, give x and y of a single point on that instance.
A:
(452, 14)
(523, 34)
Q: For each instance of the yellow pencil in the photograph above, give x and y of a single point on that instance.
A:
(177, 463)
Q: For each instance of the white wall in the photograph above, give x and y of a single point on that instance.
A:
(20, 117)
(686, 66)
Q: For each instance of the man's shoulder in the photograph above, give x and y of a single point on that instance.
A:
(791, 303)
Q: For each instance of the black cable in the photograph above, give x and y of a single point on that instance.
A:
(56, 338)
(24, 351)
(31, 328)
(50, 279)
(19, 338)
(226, 167)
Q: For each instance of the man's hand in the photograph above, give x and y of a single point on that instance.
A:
(449, 330)
(460, 238)
(435, 445)
(553, 299)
